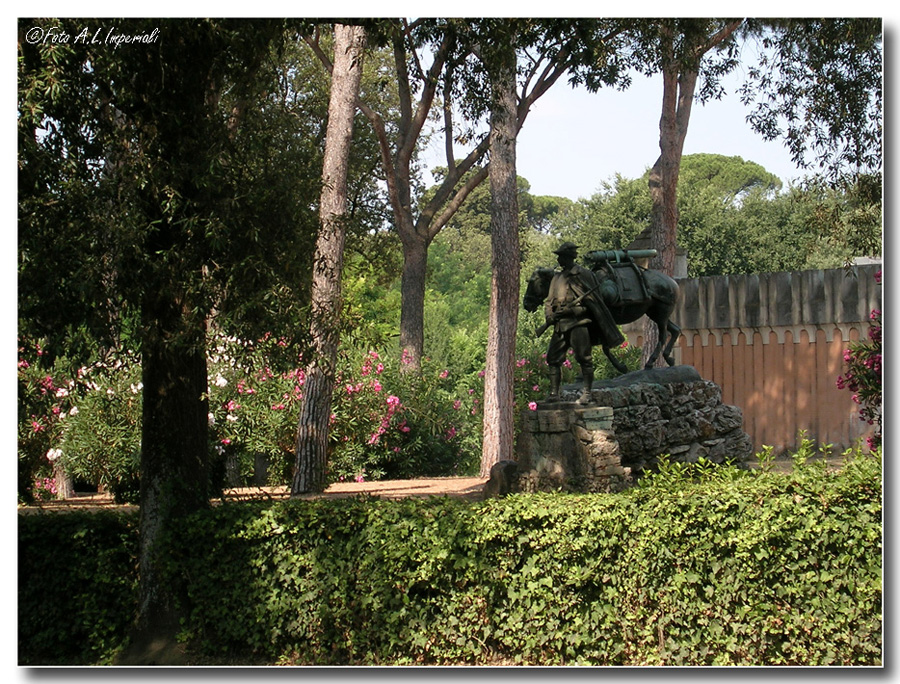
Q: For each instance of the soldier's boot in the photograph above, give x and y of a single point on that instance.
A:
(555, 378)
(586, 395)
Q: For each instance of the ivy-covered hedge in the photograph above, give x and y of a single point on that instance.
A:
(77, 586)
(695, 567)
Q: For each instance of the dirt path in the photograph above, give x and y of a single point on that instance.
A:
(468, 488)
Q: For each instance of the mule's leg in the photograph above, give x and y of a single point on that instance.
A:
(674, 332)
(659, 345)
(618, 365)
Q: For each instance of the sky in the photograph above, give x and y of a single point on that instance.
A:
(573, 140)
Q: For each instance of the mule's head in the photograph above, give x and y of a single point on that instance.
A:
(537, 289)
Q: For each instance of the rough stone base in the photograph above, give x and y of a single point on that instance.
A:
(568, 447)
(634, 419)
(671, 411)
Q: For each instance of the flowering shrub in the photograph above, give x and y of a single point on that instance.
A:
(385, 423)
(45, 396)
(100, 436)
(252, 407)
(390, 424)
(863, 375)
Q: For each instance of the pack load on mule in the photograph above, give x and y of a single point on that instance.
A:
(586, 302)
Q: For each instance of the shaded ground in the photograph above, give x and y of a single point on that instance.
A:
(468, 488)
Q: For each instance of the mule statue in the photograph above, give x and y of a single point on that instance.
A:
(627, 290)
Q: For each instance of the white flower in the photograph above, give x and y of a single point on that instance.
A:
(74, 411)
(137, 388)
(62, 392)
(220, 381)
(110, 392)
(54, 454)
(230, 418)
(211, 418)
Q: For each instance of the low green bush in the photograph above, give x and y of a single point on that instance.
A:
(77, 586)
(698, 565)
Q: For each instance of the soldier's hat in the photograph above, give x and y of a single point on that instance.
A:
(568, 248)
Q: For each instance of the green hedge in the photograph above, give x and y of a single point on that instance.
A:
(77, 586)
(695, 567)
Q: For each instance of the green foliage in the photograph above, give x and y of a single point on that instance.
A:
(733, 219)
(77, 592)
(863, 375)
(101, 437)
(719, 567)
(699, 565)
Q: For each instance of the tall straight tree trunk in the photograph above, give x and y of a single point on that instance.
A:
(499, 420)
(679, 71)
(678, 96)
(315, 410)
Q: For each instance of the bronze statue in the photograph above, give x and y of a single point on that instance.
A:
(584, 306)
(580, 319)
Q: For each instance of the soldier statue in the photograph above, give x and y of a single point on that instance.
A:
(580, 319)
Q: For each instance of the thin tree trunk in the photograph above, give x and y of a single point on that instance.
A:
(315, 411)
(678, 96)
(499, 419)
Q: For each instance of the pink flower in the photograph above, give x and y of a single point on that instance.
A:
(536, 388)
(23, 364)
(379, 368)
(360, 478)
(444, 373)
(376, 386)
(36, 426)
(393, 401)
(278, 407)
(226, 441)
(532, 405)
(521, 362)
(456, 405)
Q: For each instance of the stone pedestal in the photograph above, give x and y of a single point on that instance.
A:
(564, 446)
(634, 419)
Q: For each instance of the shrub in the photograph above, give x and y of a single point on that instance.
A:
(715, 566)
(863, 375)
(77, 593)
(698, 565)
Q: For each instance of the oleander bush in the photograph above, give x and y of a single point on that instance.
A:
(698, 565)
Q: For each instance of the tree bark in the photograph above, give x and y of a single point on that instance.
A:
(499, 421)
(679, 73)
(412, 299)
(174, 466)
(315, 411)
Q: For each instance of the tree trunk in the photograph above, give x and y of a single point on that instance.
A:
(678, 96)
(174, 466)
(315, 410)
(412, 300)
(499, 419)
